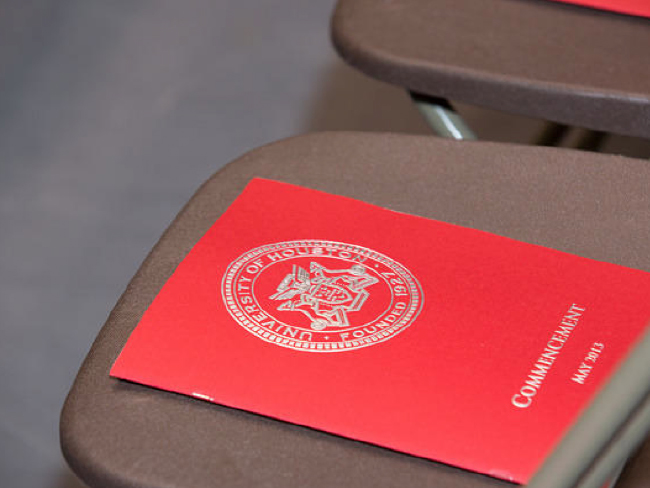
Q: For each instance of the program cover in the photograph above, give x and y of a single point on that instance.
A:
(439, 341)
(640, 8)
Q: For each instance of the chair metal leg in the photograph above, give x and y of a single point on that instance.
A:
(552, 134)
(446, 122)
(592, 140)
(442, 118)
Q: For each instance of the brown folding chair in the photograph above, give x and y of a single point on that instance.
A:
(120, 434)
(543, 59)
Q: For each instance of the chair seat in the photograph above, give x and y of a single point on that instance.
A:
(118, 434)
(538, 58)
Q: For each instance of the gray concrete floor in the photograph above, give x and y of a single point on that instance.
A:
(111, 115)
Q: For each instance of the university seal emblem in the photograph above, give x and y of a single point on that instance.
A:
(320, 296)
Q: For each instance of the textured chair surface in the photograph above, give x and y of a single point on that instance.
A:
(119, 434)
(538, 58)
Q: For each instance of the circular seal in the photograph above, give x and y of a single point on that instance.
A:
(320, 296)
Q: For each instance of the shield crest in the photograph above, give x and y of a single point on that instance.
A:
(326, 296)
(332, 294)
